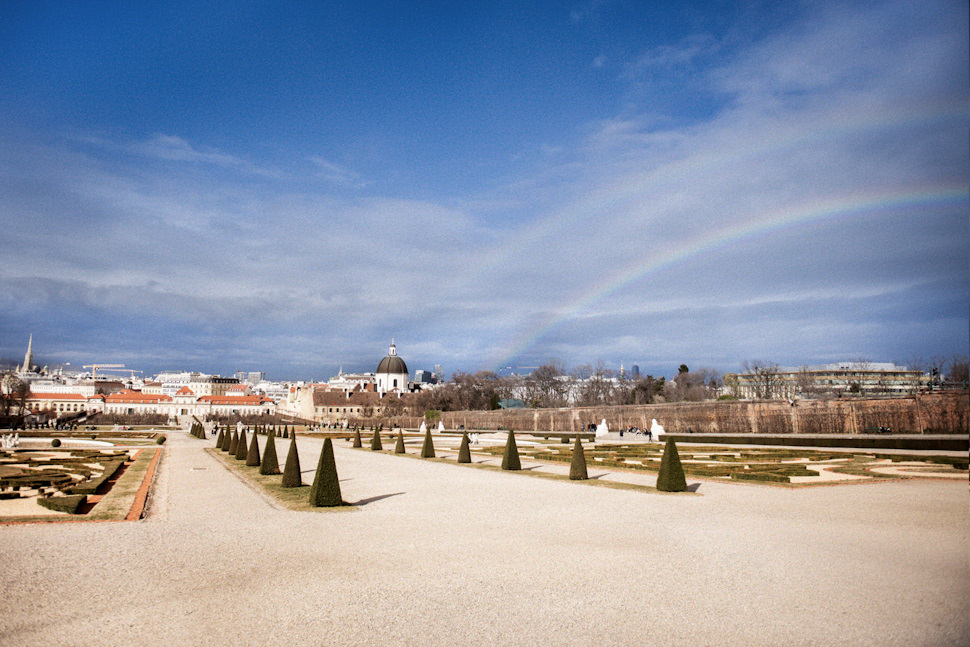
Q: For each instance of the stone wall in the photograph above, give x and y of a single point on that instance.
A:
(942, 413)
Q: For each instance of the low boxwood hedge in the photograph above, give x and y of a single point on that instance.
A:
(91, 486)
(68, 504)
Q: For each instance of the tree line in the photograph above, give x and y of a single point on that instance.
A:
(552, 386)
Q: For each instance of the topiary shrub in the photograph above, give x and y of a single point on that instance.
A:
(252, 456)
(399, 447)
(325, 490)
(291, 471)
(357, 441)
(510, 459)
(375, 442)
(577, 467)
(464, 453)
(56, 442)
(221, 439)
(671, 477)
(233, 444)
(427, 449)
(160, 440)
(269, 464)
(242, 449)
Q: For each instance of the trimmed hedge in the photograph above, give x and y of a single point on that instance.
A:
(241, 447)
(464, 453)
(760, 476)
(510, 458)
(399, 447)
(325, 491)
(427, 450)
(68, 504)
(577, 466)
(252, 456)
(291, 472)
(270, 464)
(91, 486)
(160, 440)
(671, 476)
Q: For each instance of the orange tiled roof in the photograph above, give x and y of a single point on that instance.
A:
(252, 400)
(56, 396)
(136, 397)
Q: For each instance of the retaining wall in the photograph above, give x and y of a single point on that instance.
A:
(939, 413)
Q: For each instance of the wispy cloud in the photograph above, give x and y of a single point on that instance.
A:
(337, 174)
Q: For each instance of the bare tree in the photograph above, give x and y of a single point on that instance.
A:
(764, 378)
(959, 370)
(13, 394)
(596, 385)
(545, 386)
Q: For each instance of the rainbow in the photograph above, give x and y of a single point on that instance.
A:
(811, 213)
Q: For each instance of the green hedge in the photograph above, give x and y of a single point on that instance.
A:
(91, 486)
(760, 476)
(68, 504)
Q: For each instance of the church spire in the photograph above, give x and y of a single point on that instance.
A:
(29, 357)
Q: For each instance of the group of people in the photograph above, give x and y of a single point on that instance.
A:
(638, 432)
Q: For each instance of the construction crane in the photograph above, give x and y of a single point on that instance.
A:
(94, 368)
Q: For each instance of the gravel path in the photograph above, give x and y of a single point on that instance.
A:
(438, 554)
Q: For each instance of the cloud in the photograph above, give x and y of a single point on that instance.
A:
(337, 174)
(810, 209)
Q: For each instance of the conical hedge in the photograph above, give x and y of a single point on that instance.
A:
(399, 447)
(357, 441)
(464, 454)
(233, 444)
(427, 449)
(252, 456)
(671, 477)
(577, 468)
(242, 448)
(269, 464)
(510, 459)
(375, 442)
(291, 472)
(220, 439)
(325, 490)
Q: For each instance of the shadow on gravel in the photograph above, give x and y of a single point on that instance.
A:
(375, 498)
(693, 487)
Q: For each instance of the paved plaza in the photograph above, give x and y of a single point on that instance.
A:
(440, 554)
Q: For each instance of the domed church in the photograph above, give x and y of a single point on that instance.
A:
(392, 372)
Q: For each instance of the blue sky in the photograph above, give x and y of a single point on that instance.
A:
(288, 186)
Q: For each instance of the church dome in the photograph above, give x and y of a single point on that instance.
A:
(392, 364)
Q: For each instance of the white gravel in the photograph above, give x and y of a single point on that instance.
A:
(440, 554)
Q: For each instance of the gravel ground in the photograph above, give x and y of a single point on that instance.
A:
(437, 554)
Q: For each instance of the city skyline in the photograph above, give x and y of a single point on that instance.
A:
(248, 187)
